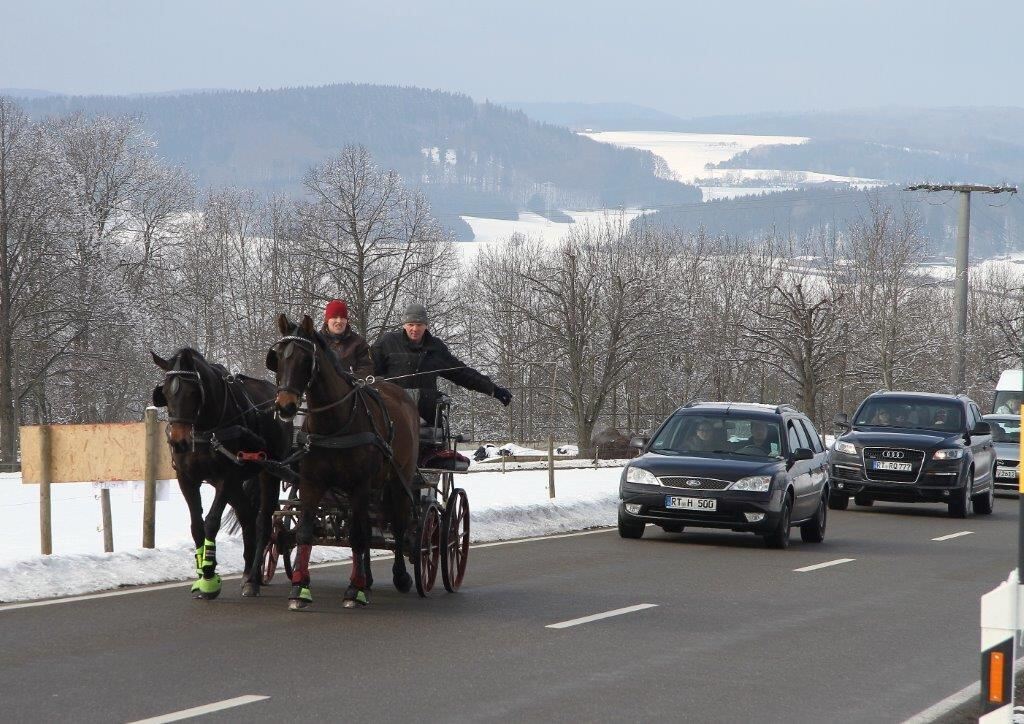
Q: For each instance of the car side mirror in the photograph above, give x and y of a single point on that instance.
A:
(801, 453)
(982, 428)
(638, 442)
(841, 420)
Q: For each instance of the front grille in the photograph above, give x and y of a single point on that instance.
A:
(696, 515)
(914, 457)
(680, 481)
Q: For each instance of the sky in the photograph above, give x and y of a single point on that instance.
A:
(687, 58)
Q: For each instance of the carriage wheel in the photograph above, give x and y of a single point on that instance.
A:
(270, 554)
(428, 549)
(455, 540)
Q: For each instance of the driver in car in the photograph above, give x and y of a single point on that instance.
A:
(759, 437)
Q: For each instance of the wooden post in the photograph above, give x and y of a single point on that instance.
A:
(597, 454)
(108, 526)
(551, 467)
(503, 463)
(45, 475)
(149, 499)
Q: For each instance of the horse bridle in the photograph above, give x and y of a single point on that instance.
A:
(287, 352)
(188, 376)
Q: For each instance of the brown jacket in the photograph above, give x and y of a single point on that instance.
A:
(351, 349)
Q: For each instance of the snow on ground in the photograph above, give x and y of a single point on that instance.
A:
(504, 506)
(489, 231)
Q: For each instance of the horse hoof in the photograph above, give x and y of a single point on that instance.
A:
(209, 595)
(250, 590)
(403, 582)
(355, 599)
(297, 604)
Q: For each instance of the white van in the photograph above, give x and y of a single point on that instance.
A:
(1008, 393)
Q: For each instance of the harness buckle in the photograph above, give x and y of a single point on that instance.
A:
(254, 457)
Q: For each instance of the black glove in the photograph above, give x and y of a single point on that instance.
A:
(502, 395)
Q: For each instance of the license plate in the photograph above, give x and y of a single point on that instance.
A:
(677, 502)
(1006, 473)
(893, 466)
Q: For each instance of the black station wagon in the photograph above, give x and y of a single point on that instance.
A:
(737, 466)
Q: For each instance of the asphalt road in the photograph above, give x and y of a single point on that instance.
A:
(735, 634)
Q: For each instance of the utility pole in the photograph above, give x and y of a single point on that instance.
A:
(963, 233)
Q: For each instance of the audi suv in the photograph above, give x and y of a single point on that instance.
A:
(914, 447)
(738, 466)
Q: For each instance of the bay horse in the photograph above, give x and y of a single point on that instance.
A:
(363, 441)
(212, 415)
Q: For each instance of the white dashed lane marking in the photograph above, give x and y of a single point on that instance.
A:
(954, 535)
(204, 709)
(826, 564)
(599, 616)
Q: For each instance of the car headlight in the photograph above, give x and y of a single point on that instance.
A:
(953, 453)
(845, 447)
(639, 475)
(753, 484)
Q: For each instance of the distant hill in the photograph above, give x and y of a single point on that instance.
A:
(598, 116)
(469, 158)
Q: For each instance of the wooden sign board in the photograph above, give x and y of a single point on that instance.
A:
(93, 453)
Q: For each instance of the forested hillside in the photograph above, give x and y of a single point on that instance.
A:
(467, 157)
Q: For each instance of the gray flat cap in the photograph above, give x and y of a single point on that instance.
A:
(415, 314)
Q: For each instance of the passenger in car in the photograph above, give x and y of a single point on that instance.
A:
(703, 439)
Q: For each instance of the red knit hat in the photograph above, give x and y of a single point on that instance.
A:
(336, 308)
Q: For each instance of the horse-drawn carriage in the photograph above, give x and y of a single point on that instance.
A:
(365, 473)
(437, 538)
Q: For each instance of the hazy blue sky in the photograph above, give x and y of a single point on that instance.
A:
(691, 59)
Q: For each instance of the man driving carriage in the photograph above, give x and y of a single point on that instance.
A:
(413, 358)
(347, 344)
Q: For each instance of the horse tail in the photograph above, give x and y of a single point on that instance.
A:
(251, 490)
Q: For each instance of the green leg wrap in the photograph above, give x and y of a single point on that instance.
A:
(200, 552)
(301, 593)
(208, 586)
(195, 585)
(209, 554)
(361, 598)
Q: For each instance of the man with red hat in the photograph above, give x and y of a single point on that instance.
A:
(348, 344)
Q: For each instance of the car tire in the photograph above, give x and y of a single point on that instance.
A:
(984, 503)
(962, 505)
(863, 500)
(630, 528)
(779, 538)
(813, 531)
(838, 502)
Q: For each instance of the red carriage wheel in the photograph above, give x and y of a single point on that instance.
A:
(455, 540)
(270, 560)
(428, 551)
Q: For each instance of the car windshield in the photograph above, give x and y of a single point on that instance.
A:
(912, 414)
(1007, 402)
(1005, 430)
(732, 435)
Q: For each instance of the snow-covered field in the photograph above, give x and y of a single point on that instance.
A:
(490, 231)
(504, 506)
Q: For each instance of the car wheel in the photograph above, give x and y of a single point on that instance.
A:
(863, 500)
(630, 528)
(984, 503)
(838, 502)
(779, 538)
(813, 531)
(962, 504)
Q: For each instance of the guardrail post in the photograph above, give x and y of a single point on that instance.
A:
(149, 498)
(45, 476)
(998, 644)
(108, 526)
(551, 467)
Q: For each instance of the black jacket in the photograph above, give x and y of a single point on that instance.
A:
(351, 349)
(394, 355)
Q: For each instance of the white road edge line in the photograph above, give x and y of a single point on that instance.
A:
(945, 706)
(238, 576)
(599, 616)
(826, 564)
(954, 535)
(204, 709)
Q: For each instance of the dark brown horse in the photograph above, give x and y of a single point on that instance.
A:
(363, 442)
(212, 415)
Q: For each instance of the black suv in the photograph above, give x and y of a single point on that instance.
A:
(914, 447)
(738, 466)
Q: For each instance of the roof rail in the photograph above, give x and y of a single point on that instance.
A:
(693, 402)
(782, 406)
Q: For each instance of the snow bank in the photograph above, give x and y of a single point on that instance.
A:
(513, 505)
